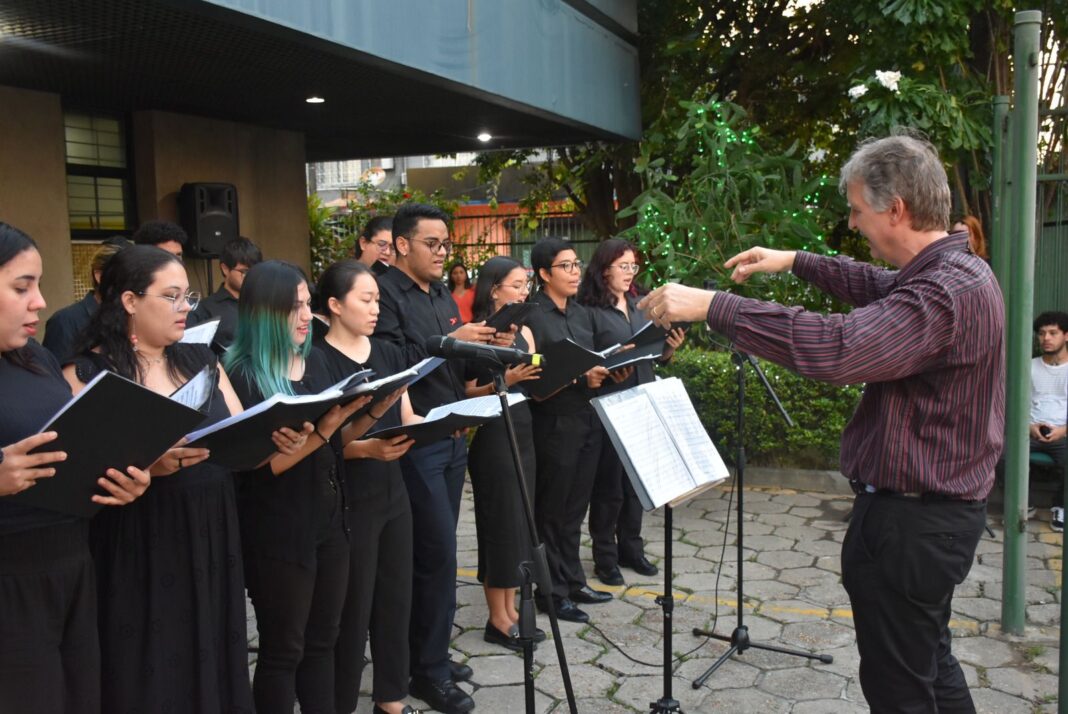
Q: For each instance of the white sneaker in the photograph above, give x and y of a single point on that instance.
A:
(1056, 520)
(1031, 511)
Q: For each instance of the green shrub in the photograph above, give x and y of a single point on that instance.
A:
(819, 410)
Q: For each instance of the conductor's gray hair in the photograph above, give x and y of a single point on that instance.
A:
(905, 166)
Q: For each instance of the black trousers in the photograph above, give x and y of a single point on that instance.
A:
(434, 477)
(568, 447)
(1056, 451)
(49, 649)
(615, 512)
(298, 614)
(901, 560)
(380, 592)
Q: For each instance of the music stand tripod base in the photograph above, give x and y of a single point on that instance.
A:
(739, 638)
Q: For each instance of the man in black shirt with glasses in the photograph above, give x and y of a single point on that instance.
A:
(415, 305)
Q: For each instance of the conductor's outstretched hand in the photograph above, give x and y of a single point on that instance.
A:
(759, 260)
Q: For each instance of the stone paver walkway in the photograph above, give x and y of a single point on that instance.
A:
(793, 598)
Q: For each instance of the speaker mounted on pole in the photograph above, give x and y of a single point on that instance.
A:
(208, 213)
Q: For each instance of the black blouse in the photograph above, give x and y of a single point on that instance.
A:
(29, 400)
(612, 327)
(550, 325)
(365, 475)
(282, 515)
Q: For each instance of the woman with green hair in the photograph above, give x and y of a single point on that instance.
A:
(292, 511)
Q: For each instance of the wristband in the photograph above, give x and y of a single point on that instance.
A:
(320, 435)
(371, 414)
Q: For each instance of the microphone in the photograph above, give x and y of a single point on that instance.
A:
(452, 348)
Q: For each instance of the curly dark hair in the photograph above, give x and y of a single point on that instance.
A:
(130, 270)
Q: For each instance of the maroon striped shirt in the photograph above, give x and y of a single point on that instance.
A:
(928, 342)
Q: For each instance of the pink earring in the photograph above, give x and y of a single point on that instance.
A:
(133, 341)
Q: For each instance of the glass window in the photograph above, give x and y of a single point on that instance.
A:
(99, 201)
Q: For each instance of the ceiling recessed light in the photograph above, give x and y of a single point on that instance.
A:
(484, 137)
(315, 100)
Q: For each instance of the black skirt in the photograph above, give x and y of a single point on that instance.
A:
(501, 525)
(171, 598)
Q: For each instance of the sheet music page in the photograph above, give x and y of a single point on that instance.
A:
(488, 406)
(201, 334)
(649, 447)
(670, 400)
(195, 393)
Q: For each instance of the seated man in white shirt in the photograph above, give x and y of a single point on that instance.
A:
(1049, 398)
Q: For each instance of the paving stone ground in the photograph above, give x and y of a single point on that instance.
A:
(793, 598)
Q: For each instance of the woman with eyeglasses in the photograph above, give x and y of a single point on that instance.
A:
(374, 246)
(379, 597)
(293, 527)
(49, 649)
(610, 292)
(500, 522)
(171, 591)
(567, 432)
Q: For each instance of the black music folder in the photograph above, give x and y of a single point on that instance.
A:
(562, 362)
(514, 313)
(243, 441)
(112, 423)
(441, 422)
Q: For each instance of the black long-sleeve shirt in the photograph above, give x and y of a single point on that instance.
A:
(408, 316)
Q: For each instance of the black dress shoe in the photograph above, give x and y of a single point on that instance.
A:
(641, 566)
(588, 596)
(565, 610)
(443, 696)
(460, 672)
(609, 576)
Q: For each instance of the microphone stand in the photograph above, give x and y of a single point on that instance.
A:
(739, 638)
(534, 570)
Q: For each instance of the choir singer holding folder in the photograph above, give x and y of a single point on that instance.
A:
(415, 305)
(927, 339)
(293, 527)
(49, 656)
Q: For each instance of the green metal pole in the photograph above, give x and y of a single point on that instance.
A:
(1018, 337)
(999, 247)
(1062, 683)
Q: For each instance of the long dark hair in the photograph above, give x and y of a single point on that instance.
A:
(491, 274)
(132, 269)
(14, 243)
(467, 277)
(337, 280)
(263, 342)
(593, 290)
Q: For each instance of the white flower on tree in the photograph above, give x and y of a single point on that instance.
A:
(858, 91)
(888, 79)
(817, 155)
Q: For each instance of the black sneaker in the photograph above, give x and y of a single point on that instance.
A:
(444, 695)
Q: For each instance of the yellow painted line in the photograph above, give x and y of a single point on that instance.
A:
(681, 597)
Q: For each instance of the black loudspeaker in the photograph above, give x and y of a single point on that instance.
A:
(208, 213)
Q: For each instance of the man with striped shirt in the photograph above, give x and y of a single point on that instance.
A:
(920, 451)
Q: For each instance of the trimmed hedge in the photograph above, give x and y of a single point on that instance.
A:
(819, 410)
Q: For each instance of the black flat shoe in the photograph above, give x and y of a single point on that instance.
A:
(509, 639)
(641, 566)
(460, 672)
(609, 576)
(443, 696)
(588, 596)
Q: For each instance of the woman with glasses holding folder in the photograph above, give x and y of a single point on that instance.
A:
(169, 568)
(49, 654)
(380, 569)
(294, 532)
(503, 541)
(608, 290)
